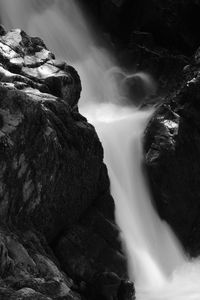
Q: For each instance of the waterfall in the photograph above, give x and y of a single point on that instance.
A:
(156, 261)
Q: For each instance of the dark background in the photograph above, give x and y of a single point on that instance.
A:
(158, 37)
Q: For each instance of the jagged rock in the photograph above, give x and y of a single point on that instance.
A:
(46, 146)
(29, 64)
(54, 187)
(28, 268)
(172, 151)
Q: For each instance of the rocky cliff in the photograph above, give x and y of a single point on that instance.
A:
(58, 237)
(172, 151)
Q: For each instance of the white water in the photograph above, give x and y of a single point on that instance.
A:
(156, 262)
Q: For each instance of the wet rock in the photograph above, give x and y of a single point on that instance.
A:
(29, 62)
(172, 153)
(45, 145)
(56, 210)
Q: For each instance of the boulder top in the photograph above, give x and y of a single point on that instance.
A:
(27, 65)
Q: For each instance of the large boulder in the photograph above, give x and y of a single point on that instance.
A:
(54, 187)
(172, 153)
(46, 146)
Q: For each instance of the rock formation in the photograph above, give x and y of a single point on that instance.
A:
(172, 151)
(58, 237)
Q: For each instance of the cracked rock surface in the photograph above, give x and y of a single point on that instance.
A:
(58, 237)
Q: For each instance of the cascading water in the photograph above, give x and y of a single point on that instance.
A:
(156, 262)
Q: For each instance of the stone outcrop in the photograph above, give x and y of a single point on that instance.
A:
(172, 151)
(58, 236)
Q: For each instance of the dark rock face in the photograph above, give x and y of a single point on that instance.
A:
(45, 145)
(54, 187)
(172, 150)
(28, 268)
